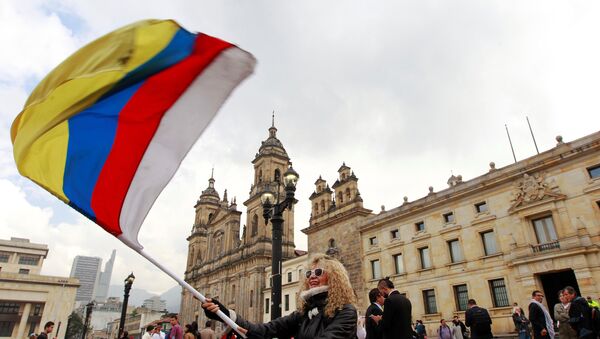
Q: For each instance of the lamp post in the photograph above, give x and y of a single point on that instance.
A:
(273, 210)
(128, 282)
(88, 313)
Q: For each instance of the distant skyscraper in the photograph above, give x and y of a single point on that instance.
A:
(87, 270)
(155, 303)
(94, 283)
(104, 280)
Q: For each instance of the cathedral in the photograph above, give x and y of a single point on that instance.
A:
(224, 265)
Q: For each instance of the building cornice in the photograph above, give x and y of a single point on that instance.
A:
(495, 178)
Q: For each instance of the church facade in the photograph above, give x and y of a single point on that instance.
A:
(224, 265)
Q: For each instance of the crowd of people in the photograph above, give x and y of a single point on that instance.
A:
(326, 310)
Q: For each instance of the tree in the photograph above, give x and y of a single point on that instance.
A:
(74, 326)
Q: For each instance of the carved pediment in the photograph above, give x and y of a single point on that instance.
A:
(534, 188)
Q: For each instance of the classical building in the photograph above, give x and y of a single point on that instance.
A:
(220, 263)
(291, 279)
(336, 215)
(135, 323)
(28, 299)
(495, 238)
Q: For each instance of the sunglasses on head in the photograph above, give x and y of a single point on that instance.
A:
(317, 271)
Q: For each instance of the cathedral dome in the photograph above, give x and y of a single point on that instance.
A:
(272, 146)
(210, 194)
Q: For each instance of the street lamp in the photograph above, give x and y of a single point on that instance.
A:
(273, 210)
(128, 282)
(88, 313)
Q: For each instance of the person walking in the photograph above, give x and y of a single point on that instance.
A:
(561, 315)
(580, 314)
(420, 330)
(326, 308)
(372, 325)
(397, 312)
(444, 331)
(521, 323)
(463, 328)
(207, 332)
(48, 328)
(541, 322)
(478, 320)
(457, 332)
(176, 331)
(149, 332)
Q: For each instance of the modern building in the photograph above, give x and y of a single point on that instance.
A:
(28, 299)
(291, 280)
(155, 303)
(104, 279)
(495, 238)
(94, 282)
(220, 263)
(87, 270)
(105, 312)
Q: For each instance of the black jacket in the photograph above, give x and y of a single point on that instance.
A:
(537, 319)
(396, 321)
(300, 326)
(372, 327)
(479, 321)
(580, 318)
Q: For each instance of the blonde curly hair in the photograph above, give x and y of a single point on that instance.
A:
(340, 290)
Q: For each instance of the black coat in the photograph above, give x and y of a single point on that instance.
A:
(396, 321)
(580, 318)
(479, 321)
(537, 319)
(372, 327)
(300, 326)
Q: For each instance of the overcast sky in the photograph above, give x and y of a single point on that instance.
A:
(405, 92)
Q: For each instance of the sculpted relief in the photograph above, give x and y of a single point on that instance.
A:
(532, 188)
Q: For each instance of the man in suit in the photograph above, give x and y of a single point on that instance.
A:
(376, 309)
(542, 324)
(397, 312)
(478, 319)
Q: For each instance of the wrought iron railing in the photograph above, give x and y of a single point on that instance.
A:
(546, 247)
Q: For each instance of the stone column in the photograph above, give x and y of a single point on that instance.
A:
(23, 323)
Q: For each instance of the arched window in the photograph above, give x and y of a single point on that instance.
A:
(232, 298)
(347, 194)
(277, 175)
(331, 243)
(251, 297)
(341, 197)
(343, 176)
(323, 205)
(254, 228)
(316, 207)
(259, 175)
(210, 215)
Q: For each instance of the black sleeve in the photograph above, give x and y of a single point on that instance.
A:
(389, 312)
(342, 326)
(281, 327)
(468, 318)
(536, 316)
(487, 314)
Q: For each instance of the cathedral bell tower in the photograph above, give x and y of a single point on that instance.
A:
(270, 163)
(216, 227)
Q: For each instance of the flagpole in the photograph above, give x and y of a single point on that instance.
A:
(185, 285)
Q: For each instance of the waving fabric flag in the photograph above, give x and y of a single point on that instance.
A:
(106, 130)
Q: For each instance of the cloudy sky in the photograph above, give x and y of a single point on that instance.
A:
(405, 92)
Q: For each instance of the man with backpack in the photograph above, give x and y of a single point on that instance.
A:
(478, 319)
(581, 316)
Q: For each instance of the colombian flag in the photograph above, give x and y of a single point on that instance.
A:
(106, 130)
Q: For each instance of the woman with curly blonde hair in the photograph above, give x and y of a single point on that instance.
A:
(326, 307)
